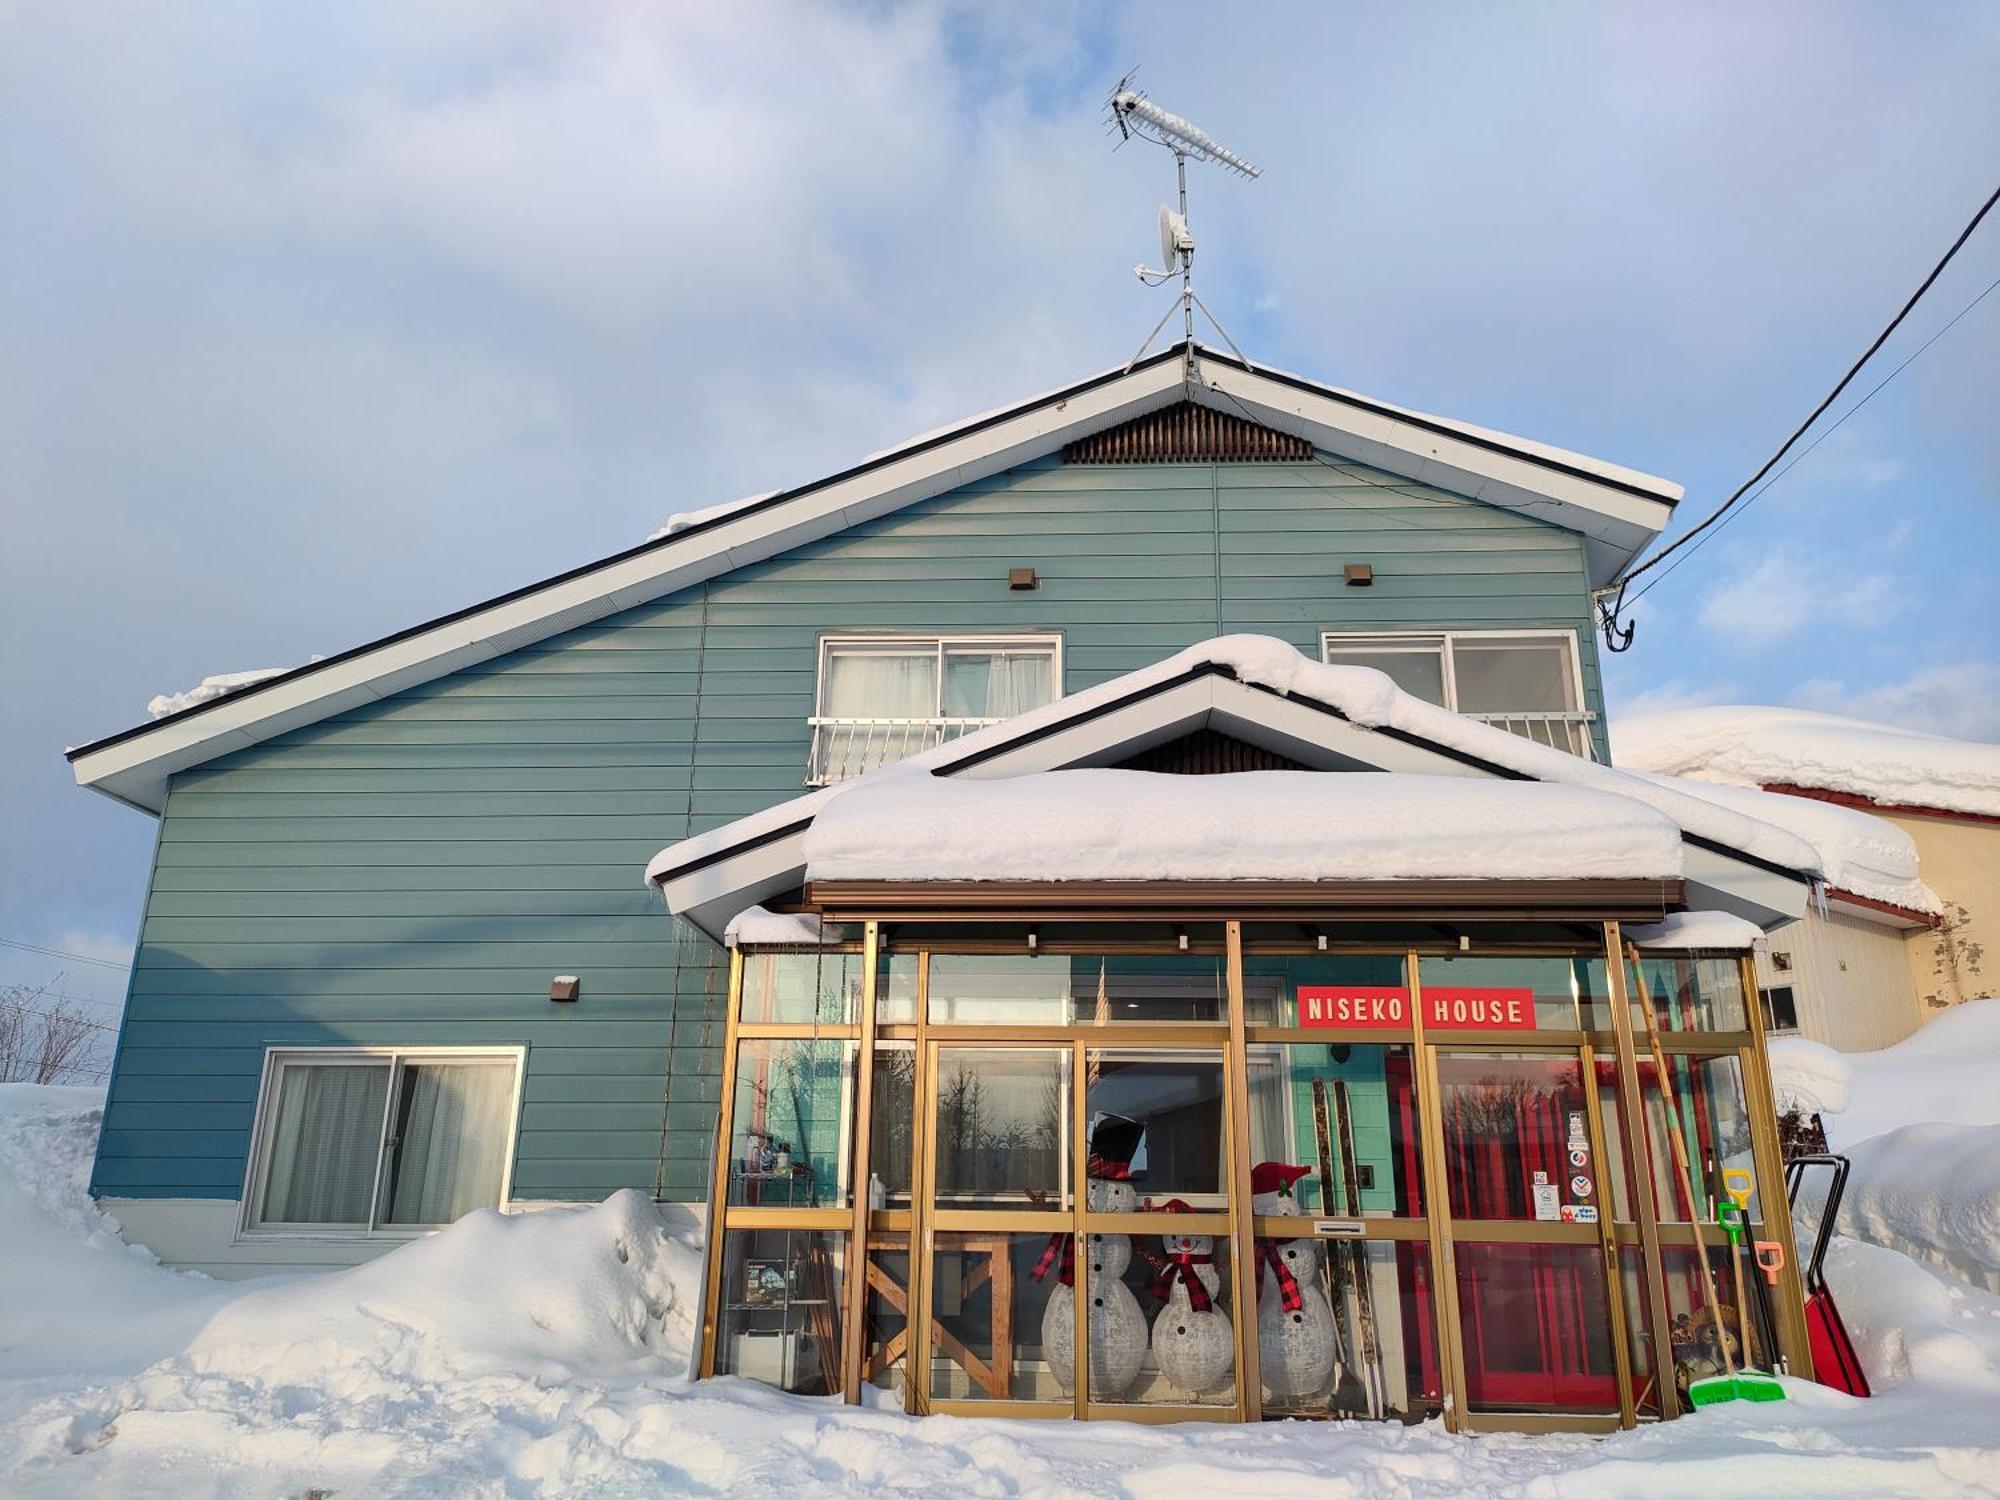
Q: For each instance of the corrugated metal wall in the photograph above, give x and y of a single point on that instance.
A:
(417, 871)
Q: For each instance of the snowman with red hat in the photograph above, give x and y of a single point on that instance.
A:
(1193, 1339)
(1298, 1348)
(1116, 1323)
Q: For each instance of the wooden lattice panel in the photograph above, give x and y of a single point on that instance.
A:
(1188, 434)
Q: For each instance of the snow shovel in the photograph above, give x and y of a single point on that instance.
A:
(1731, 1386)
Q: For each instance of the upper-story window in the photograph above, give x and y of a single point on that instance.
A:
(1525, 681)
(883, 697)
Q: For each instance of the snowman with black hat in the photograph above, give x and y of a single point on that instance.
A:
(1117, 1326)
(1298, 1347)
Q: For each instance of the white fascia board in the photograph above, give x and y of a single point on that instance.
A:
(1718, 882)
(135, 770)
(1616, 522)
(1854, 911)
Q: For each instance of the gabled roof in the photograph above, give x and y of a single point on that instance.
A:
(1261, 691)
(1617, 512)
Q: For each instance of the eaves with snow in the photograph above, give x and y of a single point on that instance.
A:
(1744, 746)
(1614, 511)
(1034, 798)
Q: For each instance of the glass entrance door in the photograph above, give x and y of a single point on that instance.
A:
(1072, 1216)
(1528, 1204)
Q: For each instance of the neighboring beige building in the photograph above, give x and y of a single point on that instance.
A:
(1908, 826)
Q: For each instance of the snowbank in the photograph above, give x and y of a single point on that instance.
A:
(1712, 931)
(1858, 852)
(1751, 746)
(543, 1354)
(1920, 1122)
(1946, 1073)
(1359, 694)
(1808, 1076)
(1933, 1193)
(1257, 825)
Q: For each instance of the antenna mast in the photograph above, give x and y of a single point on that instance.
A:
(1136, 115)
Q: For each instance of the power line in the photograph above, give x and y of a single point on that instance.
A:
(1990, 286)
(1608, 613)
(82, 958)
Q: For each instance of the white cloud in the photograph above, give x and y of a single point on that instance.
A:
(1961, 700)
(1677, 692)
(1777, 593)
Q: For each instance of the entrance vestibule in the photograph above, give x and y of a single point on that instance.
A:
(1231, 1169)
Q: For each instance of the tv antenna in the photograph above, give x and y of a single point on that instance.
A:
(1136, 115)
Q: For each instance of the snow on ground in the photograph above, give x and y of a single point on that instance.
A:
(1257, 825)
(1920, 1123)
(1748, 746)
(547, 1353)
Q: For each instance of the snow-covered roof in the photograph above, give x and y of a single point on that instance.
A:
(1615, 511)
(220, 685)
(1256, 825)
(1708, 931)
(1753, 746)
(1256, 688)
(1859, 853)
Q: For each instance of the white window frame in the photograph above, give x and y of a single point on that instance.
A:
(1023, 643)
(257, 1168)
(1444, 641)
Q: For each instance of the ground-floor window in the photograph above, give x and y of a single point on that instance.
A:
(353, 1140)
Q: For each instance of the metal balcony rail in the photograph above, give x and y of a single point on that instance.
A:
(1567, 730)
(844, 748)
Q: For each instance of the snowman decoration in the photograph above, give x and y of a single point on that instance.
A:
(1297, 1345)
(1116, 1323)
(1193, 1340)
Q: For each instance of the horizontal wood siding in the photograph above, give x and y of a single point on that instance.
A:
(415, 872)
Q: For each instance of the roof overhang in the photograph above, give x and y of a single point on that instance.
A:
(728, 871)
(1616, 511)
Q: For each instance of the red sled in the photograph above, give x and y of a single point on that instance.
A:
(1834, 1359)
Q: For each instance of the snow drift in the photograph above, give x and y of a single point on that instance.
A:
(1920, 1122)
(543, 1354)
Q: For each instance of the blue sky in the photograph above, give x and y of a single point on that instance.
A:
(319, 321)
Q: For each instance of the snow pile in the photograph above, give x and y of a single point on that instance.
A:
(1361, 695)
(1257, 825)
(1947, 1073)
(1749, 746)
(544, 1354)
(1707, 931)
(1933, 1193)
(758, 926)
(1808, 1076)
(1858, 852)
(1920, 1121)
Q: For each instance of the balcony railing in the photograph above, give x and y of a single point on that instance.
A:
(1559, 731)
(844, 748)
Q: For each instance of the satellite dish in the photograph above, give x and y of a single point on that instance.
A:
(1175, 240)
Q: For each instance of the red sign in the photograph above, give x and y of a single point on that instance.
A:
(1348, 1007)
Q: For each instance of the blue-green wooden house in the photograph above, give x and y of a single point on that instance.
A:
(392, 857)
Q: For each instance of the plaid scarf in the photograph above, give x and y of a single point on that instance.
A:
(1063, 1245)
(1182, 1268)
(1288, 1284)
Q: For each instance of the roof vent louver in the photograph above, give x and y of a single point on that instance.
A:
(1188, 433)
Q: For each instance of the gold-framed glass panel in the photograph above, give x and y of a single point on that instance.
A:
(1107, 1172)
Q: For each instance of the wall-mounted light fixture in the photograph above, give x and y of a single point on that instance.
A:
(564, 987)
(1359, 575)
(1023, 578)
